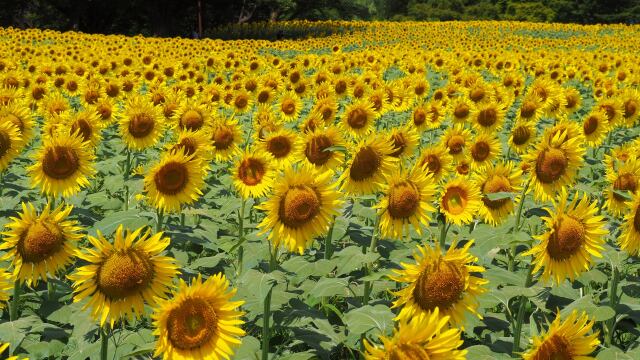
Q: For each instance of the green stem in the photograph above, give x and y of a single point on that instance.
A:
(266, 331)
(160, 218)
(613, 302)
(127, 165)
(442, 220)
(368, 285)
(328, 246)
(240, 237)
(517, 332)
(1, 182)
(104, 343)
(126, 197)
(15, 301)
(516, 227)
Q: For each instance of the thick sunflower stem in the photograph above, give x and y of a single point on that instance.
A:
(127, 165)
(15, 301)
(613, 302)
(1, 182)
(240, 237)
(160, 218)
(104, 343)
(442, 220)
(517, 331)
(373, 246)
(328, 246)
(516, 227)
(266, 331)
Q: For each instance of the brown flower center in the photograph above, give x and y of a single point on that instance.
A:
(496, 184)
(439, 285)
(171, 178)
(477, 94)
(419, 117)
(141, 125)
(188, 145)
(455, 200)
(241, 102)
(263, 96)
(455, 144)
(625, 182)
(487, 117)
(60, 162)
(288, 107)
(551, 164)
(40, 241)
(222, 138)
(251, 171)
(480, 151)
(636, 220)
(630, 108)
(124, 273)
(82, 126)
(192, 120)
(567, 237)
(314, 150)
(5, 144)
(298, 206)
(590, 125)
(104, 111)
(554, 348)
(279, 146)
(521, 135)
(192, 324)
(433, 164)
(357, 118)
(365, 164)
(404, 200)
(461, 111)
(399, 144)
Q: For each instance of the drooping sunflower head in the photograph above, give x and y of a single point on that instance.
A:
(225, 137)
(174, 181)
(10, 144)
(370, 163)
(124, 274)
(565, 339)
(282, 145)
(460, 200)
(300, 208)
(484, 149)
(407, 201)
(435, 160)
(63, 165)
(447, 282)
(574, 235)
(425, 336)
(622, 178)
(142, 123)
(42, 244)
(253, 174)
(198, 321)
(191, 115)
(192, 143)
(501, 178)
(358, 119)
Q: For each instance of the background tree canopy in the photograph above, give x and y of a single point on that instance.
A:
(180, 17)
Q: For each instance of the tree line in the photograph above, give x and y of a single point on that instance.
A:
(194, 17)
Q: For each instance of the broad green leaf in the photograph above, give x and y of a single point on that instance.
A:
(500, 196)
(366, 318)
(330, 287)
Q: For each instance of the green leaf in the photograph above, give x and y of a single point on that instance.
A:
(330, 287)
(13, 332)
(340, 148)
(500, 196)
(131, 219)
(625, 194)
(351, 258)
(482, 352)
(366, 318)
(207, 262)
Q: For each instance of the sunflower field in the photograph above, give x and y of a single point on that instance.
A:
(392, 191)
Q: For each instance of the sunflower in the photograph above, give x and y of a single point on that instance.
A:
(456, 140)
(289, 106)
(629, 240)
(624, 178)
(573, 100)
(436, 111)
(460, 200)
(595, 128)
(419, 118)
(370, 163)
(242, 102)
(631, 106)
(86, 123)
(174, 181)
(142, 123)
(530, 109)
(554, 165)
(327, 107)
(574, 235)
(613, 108)
(191, 115)
(18, 114)
(405, 139)
(426, 336)
(283, 146)
(488, 116)
(460, 108)
(6, 285)
(225, 137)
(192, 143)
(53, 104)
(435, 160)
(10, 144)
(358, 118)
(503, 177)
(570, 129)
(124, 274)
(198, 321)
(407, 200)
(40, 245)
(318, 148)
(439, 281)
(107, 110)
(483, 150)
(253, 174)
(522, 135)
(566, 339)
(300, 208)
(63, 165)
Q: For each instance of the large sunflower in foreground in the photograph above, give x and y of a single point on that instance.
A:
(10, 144)
(554, 164)
(198, 321)
(460, 200)
(370, 163)
(318, 149)
(625, 178)
(574, 235)
(503, 177)
(407, 200)
(142, 123)
(174, 181)
(63, 165)
(568, 339)
(424, 337)
(124, 274)
(300, 208)
(439, 281)
(253, 174)
(629, 240)
(40, 244)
